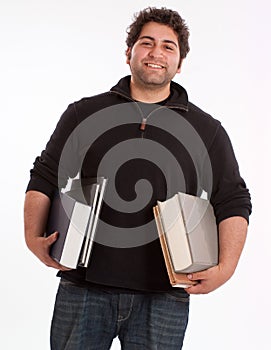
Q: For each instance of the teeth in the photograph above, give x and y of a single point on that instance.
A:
(154, 65)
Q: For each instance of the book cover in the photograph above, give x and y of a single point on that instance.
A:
(176, 279)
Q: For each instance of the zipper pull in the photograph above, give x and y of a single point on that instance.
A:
(143, 124)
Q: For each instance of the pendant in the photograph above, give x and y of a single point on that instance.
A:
(143, 124)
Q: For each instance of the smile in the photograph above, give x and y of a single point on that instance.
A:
(153, 65)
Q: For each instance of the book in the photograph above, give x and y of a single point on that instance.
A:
(92, 191)
(176, 279)
(74, 214)
(188, 234)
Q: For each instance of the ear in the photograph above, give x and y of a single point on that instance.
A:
(180, 66)
(128, 55)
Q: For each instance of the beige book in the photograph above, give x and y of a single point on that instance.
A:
(187, 228)
(176, 279)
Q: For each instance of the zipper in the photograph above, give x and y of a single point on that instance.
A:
(143, 119)
(143, 123)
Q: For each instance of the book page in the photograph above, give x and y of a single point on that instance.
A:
(176, 279)
(175, 233)
(75, 235)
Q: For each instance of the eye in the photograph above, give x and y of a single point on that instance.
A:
(146, 43)
(169, 48)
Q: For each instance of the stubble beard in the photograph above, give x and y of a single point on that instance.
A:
(151, 80)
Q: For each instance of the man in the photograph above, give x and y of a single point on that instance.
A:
(143, 128)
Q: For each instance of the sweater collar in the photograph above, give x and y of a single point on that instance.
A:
(178, 96)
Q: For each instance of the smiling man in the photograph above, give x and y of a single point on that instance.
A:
(154, 60)
(150, 141)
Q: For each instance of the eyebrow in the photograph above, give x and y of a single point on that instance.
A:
(152, 39)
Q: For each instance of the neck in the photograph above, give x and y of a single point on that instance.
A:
(149, 94)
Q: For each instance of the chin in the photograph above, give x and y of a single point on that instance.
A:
(157, 82)
(154, 80)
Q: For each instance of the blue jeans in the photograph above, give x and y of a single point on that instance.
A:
(87, 319)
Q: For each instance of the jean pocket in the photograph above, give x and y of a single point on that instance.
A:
(66, 286)
(64, 282)
(178, 295)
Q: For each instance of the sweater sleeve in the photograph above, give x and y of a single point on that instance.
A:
(45, 176)
(229, 194)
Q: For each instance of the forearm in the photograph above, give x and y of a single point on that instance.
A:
(232, 237)
(36, 210)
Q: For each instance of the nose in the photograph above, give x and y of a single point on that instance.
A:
(156, 51)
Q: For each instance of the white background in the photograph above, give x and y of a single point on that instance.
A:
(54, 52)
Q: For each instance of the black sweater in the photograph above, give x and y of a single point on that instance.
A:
(180, 149)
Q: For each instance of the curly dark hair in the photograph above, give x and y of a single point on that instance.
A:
(163, 16)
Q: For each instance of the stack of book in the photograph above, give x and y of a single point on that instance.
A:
(188, 235)
(74, 215)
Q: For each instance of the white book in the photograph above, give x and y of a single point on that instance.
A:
(190, 230)
(70, 219)
(75, 215)
(75, 235)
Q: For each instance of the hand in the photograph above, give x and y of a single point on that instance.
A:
(209, 280)
(40, 246)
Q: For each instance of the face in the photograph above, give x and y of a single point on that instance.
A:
(155, 57)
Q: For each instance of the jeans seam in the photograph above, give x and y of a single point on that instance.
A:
(130, 310)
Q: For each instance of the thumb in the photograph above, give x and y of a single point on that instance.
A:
(52, 238)
(196, 276)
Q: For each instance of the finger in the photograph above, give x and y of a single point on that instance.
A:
(60, 267)
(52, 238)
(50, 262)
(197, 276)
(64, 268)
(197, 289)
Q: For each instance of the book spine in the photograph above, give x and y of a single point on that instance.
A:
(83, 257)
(176, 279)
(95, 222)
(163, 243)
